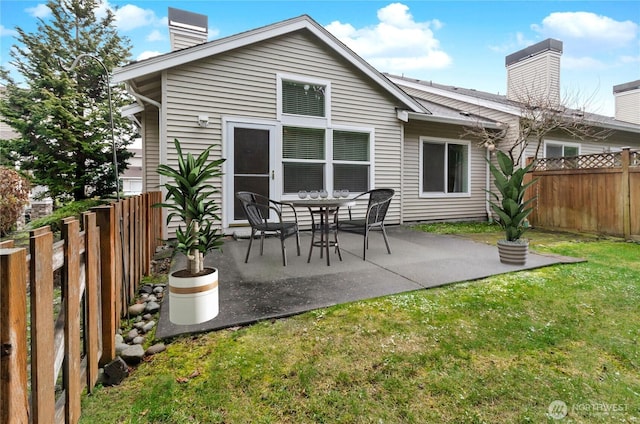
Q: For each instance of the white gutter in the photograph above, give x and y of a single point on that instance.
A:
(141, 98)
(457, 121)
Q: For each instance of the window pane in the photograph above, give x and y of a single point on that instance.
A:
(352, 177)
(258, 185)
(302, 143)
(303, 176)
(554, 151)
(351, 146)
(456, 168)
(303, 99)
(433, 167)
(571, 151)
(251, 151)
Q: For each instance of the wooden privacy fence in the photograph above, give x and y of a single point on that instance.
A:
(101, 267)
(597, 193)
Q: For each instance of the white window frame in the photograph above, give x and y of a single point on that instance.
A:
(443, 194)
(370, 162)
(301, 120)
(562, 144)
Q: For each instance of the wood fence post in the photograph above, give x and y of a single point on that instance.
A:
(92, 293)
(106, 220)
(14, 404)
(71, 296)
(626, 193)
(43, 402)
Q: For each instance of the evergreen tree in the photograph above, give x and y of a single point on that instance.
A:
(62, 117)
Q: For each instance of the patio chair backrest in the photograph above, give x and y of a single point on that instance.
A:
(251, 208)
(379, 201)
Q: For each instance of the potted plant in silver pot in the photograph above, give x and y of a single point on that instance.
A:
(193, 291)
(511, 208)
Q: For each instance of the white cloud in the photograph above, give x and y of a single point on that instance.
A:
(589, 28)
(517, 42)
(213, 33)
(6, 32)
(582, 63)
(630, 59)
(156, 35)
(39, 11)
(397, 44)
(147, 54)
(129, 17)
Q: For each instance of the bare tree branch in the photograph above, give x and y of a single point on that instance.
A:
(538, 118)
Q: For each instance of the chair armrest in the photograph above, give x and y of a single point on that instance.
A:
(278, 206)
(355, 199)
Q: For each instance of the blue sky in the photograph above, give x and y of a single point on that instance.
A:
(460, 43)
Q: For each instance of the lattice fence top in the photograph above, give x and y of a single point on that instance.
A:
(594, 161)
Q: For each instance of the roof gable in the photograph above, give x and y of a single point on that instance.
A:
(215, 47)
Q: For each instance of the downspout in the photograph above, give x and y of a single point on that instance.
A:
(488, 187)
(142, 99)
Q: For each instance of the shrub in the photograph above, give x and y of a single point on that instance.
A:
(14, 196)
(74, 209)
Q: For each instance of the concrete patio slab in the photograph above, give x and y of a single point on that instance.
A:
(264, 289)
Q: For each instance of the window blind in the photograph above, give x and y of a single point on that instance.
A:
(303, 143)
(303, 99)
(350, 146)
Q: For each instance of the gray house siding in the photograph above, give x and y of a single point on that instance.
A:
(243, 83)
(417, 207)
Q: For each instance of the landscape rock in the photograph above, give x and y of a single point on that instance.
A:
(148, 326)
(133, 354)
(136, 309)
(114, 372)
(146, 289)
(120, 347)
(156, 348)
(152, 307)
(131, 335)
(138, 340)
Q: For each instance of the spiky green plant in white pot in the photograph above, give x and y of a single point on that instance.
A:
(511, 207)
(193, 292)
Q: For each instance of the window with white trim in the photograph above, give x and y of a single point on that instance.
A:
(351, 160)
(303, 159)
(559, 150)
(300, 98)
(444, 167)
(316, 156)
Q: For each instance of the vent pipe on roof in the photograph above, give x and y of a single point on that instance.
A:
(627, 97)
(533, 73)
(186, 29)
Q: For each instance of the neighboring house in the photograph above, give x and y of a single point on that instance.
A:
(290, 107)
(131, 178)
(532, 74)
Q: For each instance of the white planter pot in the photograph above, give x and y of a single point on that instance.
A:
(513, 252)
(193, 300)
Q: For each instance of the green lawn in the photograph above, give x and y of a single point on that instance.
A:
(498, 350)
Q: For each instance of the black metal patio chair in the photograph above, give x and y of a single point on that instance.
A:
(256, 209)
(379, 201)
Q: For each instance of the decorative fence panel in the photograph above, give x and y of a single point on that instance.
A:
(592, 193)
(100, 268)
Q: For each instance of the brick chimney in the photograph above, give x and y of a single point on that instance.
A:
(186, 29)
(533, 73)
(627, 98)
